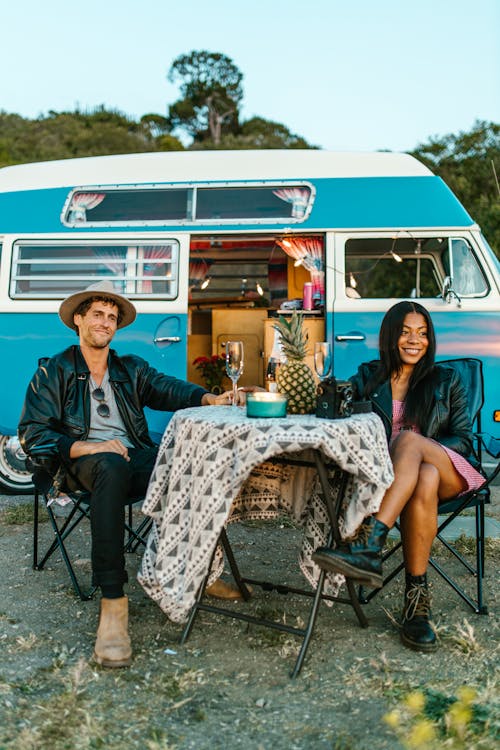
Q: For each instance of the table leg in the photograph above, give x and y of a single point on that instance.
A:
(333, 514)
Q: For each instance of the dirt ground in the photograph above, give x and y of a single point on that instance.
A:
(229, 686)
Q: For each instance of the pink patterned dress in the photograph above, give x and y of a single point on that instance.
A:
(471, 477)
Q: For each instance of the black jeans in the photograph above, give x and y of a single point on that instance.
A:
(112, 483)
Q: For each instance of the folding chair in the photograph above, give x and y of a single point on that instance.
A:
(471, 373)
(77, 510)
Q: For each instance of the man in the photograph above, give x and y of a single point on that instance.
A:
(89, 403)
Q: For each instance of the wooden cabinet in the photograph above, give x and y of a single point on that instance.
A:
(246, 326)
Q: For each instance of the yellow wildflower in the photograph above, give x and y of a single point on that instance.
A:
(459, 716)
(466, 694)
(421, 734)
(392, 718)
(415, 701)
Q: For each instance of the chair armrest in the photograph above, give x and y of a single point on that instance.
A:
(44, 463)
(490, 444)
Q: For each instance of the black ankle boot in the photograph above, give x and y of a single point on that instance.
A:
(361, 559)
(416, 630)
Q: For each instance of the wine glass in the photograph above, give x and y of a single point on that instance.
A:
(322, 359)
(234, 364)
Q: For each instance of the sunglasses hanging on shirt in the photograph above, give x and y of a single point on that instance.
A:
(100, 396)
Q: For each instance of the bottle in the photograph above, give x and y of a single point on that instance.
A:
(307, 300)
(272, 368)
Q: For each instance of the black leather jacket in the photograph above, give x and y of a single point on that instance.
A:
(57, 405)
(448, 422)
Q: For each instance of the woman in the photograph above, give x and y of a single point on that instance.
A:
(424, 409)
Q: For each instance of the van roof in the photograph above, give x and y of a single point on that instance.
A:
(196, 166)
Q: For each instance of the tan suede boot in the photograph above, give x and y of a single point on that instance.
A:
(112, 646)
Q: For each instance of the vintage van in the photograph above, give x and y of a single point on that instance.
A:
(210, 245)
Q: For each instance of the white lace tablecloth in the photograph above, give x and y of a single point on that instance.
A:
(206, 456)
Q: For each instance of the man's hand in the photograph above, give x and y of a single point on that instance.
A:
(87, 448)
(226, 398)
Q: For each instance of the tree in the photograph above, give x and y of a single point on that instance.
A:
(470, 164)
(61, 135)
(257, 132)
(210, 85)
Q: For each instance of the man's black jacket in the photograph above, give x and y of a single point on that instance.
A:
(57, 405)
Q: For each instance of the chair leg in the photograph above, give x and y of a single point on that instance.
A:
(310, 625)
(36, 503)
(60, 534)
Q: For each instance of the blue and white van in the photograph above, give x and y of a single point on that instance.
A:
(209, 245)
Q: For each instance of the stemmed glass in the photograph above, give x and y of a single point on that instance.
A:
(322, 359)
(234, 364)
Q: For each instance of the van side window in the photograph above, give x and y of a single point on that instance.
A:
(280, 202)
(461, 265)
(383, 267)
(51, 270)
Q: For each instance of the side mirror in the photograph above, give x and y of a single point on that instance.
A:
(448, 293)
(445, 289)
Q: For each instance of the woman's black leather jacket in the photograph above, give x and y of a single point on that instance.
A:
(56, 409)
(448, 421)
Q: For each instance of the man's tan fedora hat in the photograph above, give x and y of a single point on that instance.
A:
(101, 289)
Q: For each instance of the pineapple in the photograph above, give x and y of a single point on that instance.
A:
(294, 378)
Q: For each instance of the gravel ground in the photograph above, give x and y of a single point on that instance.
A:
(229, 685)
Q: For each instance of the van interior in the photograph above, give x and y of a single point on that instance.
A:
(237, 287)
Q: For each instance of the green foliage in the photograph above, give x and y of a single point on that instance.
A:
(467, 162)
(73, 134)
(261, 133)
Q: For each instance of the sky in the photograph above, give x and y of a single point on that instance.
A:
(348, 75)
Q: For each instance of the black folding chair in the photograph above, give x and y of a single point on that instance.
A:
(70, 518)
(471, 373)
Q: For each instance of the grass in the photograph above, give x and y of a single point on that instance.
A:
(17, 515)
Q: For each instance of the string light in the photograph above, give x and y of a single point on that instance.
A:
(206, 282)
(298, 262)
(352, 281)
(396, 257)
(259, 289)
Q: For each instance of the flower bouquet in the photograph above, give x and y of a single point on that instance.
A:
(213, 371)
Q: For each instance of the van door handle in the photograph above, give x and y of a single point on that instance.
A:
(350, 337)
(167, 340)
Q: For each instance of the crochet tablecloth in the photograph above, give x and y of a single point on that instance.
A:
(211, 469)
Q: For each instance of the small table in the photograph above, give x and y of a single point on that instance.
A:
(205, 457)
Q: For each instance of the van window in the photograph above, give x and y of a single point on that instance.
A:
(55, 269)
(157, 205)
(392, 267)
(386, 268)
(251, 203)
(461, 265)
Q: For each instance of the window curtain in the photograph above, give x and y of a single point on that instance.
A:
(153, 253)
(113, 259)
(309, 251)
(298, 197)
(80, 203)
